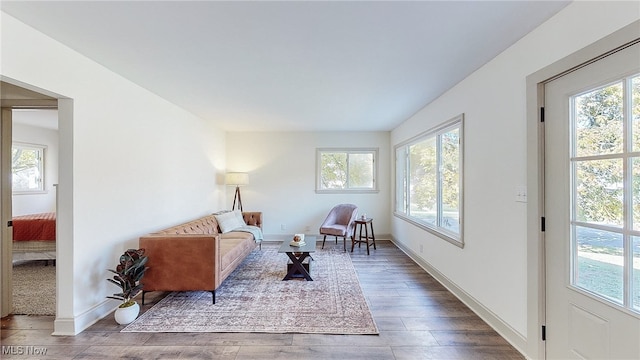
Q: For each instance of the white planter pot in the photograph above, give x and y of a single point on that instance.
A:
(127, 314)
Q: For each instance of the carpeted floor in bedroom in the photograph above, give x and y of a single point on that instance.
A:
(34, 288)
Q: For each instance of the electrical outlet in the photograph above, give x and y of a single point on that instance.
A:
(521, 194)
(421, 248)
(307, 228)
(283, 226)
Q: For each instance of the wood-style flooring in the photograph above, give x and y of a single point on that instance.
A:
(416, 316)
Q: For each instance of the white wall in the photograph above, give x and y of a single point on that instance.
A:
(492, 267)
(282, 176)
(41, 202)
(138, 164)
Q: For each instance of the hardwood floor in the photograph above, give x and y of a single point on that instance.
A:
(416, 316)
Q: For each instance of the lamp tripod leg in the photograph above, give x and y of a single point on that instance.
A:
(238, 198)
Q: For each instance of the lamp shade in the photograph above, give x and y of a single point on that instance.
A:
(236, 178)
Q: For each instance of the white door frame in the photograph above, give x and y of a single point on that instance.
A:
(6, 245)
(535, 175)
(65, 322)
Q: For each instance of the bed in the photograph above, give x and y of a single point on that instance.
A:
(34, 237)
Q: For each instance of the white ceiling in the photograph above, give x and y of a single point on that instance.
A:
(291, 65)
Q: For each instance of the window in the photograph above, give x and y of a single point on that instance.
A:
(27, 168)
(429, 180)
(605, 184)
(346, 170)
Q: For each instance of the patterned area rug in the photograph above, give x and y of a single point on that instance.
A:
(255, 299)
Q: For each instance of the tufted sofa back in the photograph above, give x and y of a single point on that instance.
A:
(253, 218)
(204, 225)
(208, 225)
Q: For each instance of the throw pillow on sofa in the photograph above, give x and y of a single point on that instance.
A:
(230, 221)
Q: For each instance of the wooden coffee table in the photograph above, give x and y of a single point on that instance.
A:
(297, 255)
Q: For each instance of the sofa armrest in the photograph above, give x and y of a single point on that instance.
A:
(253, 218)
(181, 262)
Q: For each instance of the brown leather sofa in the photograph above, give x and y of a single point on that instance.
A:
(195, 255)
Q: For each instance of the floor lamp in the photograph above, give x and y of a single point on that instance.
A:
(237, 179)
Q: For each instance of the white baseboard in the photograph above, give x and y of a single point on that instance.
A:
(74, 326)
(505, 330)
(64, 327)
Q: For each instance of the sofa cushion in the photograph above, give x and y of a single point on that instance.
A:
(230, 221)
(232, 247)
(334, 229)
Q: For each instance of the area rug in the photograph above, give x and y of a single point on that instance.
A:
(255, 299)
(34, 288)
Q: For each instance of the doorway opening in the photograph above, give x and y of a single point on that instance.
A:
(29, 167)
(34, 168)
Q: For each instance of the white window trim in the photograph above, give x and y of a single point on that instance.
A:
(443, 233)
(373, 151)
(43, 149)
(626, 229)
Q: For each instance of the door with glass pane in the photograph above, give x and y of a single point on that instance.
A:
(592, 210)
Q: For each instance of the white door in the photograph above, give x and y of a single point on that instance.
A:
(592, 210)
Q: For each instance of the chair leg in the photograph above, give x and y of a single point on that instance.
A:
(344, 243)
(336, 240)
(323, 240)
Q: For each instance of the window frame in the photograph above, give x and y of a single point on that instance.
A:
(365, 150)
(402, 196)
(626, 230)
(41, 149)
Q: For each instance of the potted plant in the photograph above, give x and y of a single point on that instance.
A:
(127, 277)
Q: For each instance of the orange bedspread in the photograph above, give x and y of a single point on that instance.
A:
(34, 227)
